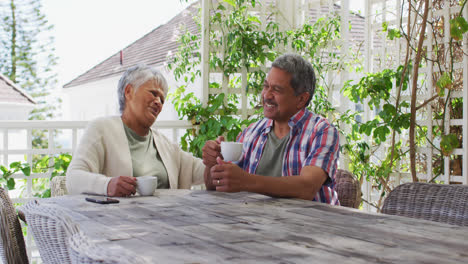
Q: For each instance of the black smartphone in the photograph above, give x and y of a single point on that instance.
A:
(103, 200)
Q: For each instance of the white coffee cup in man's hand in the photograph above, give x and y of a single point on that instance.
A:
(231, 151)
(146, 185)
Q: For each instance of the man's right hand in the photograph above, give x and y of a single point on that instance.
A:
(211, 151)
(121, 186)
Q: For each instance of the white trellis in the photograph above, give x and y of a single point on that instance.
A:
(289, 14)
(381, 49)
(378, 53)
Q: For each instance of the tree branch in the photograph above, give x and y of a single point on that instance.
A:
(427, 101)
(414, 92)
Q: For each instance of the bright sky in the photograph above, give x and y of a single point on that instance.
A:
(90, 31)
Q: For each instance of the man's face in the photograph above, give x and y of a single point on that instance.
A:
(279, 101)
(146, 103)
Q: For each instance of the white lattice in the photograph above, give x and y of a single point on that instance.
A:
(379, 53)
(383, 53)
(290, 14)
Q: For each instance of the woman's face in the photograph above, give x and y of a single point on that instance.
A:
(145, 104)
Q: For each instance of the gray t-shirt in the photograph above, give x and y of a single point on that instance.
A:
(145, 157)
(271, 162)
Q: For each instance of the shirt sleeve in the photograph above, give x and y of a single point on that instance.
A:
(240, 138)
(325, 149)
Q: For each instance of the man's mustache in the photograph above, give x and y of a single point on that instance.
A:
(270, 102)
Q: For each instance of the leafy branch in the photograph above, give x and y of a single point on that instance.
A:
(59, 165)
(14, 167)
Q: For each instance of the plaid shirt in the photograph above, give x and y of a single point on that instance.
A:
(313, 141)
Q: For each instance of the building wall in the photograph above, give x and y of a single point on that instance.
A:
(15, 111)
(99, 98)
(90, 100)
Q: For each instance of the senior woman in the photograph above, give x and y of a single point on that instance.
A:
(115, 150)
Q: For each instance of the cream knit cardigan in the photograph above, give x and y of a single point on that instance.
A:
(104, 153)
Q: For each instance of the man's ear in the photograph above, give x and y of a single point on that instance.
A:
(128, 91)
(303, 98)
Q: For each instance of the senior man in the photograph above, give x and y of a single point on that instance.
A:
(291, 152)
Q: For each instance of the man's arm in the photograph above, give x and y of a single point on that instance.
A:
(304, 186)
(233, 179)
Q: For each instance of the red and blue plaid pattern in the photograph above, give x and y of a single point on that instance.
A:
(313, 142)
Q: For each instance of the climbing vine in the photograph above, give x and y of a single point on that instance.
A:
(375, 148)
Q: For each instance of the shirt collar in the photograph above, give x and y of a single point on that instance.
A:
(298, 118)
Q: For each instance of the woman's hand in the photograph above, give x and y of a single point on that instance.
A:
(211, 150)
(121, 186)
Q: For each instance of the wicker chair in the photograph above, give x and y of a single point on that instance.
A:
(51, 229)
(83, 251)
(434, 202)
(58, 186)
(12, 246)
(348, 189)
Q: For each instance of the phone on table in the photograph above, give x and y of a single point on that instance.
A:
(103, 200)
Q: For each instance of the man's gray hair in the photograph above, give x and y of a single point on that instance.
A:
(136, 76)
(303, 75)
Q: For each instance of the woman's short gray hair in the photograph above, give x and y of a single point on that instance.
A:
(136, 76)
(303, 75)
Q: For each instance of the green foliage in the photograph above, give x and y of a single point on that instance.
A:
(246, 44)
(375, 88)
(312, 40)
(448, 143)
(445, 82)
(392, 119)
(216, 119)
(392, 33)
(458, 27)
(59, 165)
(9, 182)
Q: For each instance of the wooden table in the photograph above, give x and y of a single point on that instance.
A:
(181, 226)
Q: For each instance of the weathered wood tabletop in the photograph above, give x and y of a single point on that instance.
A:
(181, 226)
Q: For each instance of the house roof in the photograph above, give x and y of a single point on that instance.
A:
(152, 49)
(11, 93)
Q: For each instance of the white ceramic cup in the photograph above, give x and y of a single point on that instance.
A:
(146, 185)
(231, 151)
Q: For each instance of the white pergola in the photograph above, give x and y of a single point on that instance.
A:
(377, 49)
(293, 13)
(379, 53)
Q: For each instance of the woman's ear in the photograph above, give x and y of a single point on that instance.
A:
(128, 91)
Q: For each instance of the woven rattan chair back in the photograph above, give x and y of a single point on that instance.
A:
(434, 202)
(12, 246)
(51, 229)
(348, 189)
(83, 251)
(58, 186)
